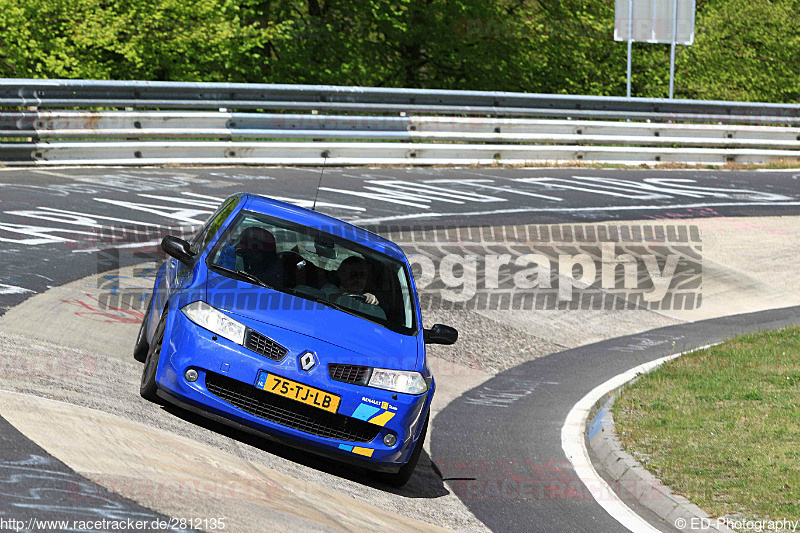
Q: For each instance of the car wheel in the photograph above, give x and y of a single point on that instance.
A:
(142, 346)
(400, 478)
(148, 387)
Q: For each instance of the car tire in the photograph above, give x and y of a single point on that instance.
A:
(148, 387)
(400, 478)
(142, 346)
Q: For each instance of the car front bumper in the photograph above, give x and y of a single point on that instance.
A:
(217, 359)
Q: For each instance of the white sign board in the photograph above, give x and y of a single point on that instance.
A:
(652, 21)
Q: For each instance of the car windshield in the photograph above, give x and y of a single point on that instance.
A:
(318, 266)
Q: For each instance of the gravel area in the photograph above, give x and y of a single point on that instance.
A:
(485, 344)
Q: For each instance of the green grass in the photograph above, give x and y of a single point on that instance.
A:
(722, 426)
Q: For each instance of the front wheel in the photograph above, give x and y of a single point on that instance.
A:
(142, 347)
(148, 387)
(400, 478)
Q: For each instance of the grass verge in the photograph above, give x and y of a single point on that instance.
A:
(722, 426)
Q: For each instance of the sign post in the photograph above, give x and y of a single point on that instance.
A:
(672, 48)
(630, 46)
(654, 21)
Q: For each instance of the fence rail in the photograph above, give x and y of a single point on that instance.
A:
(133, 122)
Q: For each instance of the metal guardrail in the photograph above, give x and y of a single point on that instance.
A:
(168, 122)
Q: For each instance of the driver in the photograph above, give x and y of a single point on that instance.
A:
(352, 274)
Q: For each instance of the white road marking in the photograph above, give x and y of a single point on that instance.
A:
(309, 203)
(296, 201)
(184, 201)
(437, 192)
(76, 219)
(401, 193)
(574, 446)
(650, 188)
(577, 183)
(677, 185)
(207, 197)
(240, 176)
(155, 242)
(103, 217)
(43, 234)
(413, 194)
(393, 197)
(12, 289)
(480, 183)
(184, 215)
(568, 209)
(40, 234)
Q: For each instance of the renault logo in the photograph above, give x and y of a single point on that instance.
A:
(308, 361)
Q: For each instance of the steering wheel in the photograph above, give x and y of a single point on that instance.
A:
(357, 296)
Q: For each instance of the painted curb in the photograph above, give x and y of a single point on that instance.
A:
(636, 481)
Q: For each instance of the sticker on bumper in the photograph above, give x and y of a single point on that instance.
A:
(372, 414)
(367, 452)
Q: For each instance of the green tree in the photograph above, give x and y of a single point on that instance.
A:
(743, 50)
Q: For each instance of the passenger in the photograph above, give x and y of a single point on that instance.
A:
(256, 247)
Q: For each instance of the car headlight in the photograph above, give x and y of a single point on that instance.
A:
(214, 321)
(398, 381)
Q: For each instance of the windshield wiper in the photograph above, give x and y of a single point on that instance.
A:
(246, 275)
(325, 301)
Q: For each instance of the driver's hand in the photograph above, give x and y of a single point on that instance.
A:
(370, 298)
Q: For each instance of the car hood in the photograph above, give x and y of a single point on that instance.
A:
(353, 335)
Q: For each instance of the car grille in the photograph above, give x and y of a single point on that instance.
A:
(263, 345)
(288, 412)
(350, 373)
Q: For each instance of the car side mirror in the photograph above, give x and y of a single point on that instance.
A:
(440, 334)
(178, 248)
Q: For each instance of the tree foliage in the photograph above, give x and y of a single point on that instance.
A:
(743, 50)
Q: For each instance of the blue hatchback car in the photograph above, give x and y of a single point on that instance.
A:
(296, 326)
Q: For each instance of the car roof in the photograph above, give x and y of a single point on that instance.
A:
(300, 215)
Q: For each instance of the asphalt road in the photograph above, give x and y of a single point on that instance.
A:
(503, 433)
(40, 493)
(500, 443)
(52, 218)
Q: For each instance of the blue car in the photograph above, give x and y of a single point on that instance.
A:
(297, 326)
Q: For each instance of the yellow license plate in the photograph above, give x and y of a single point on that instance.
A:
(297, 391)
